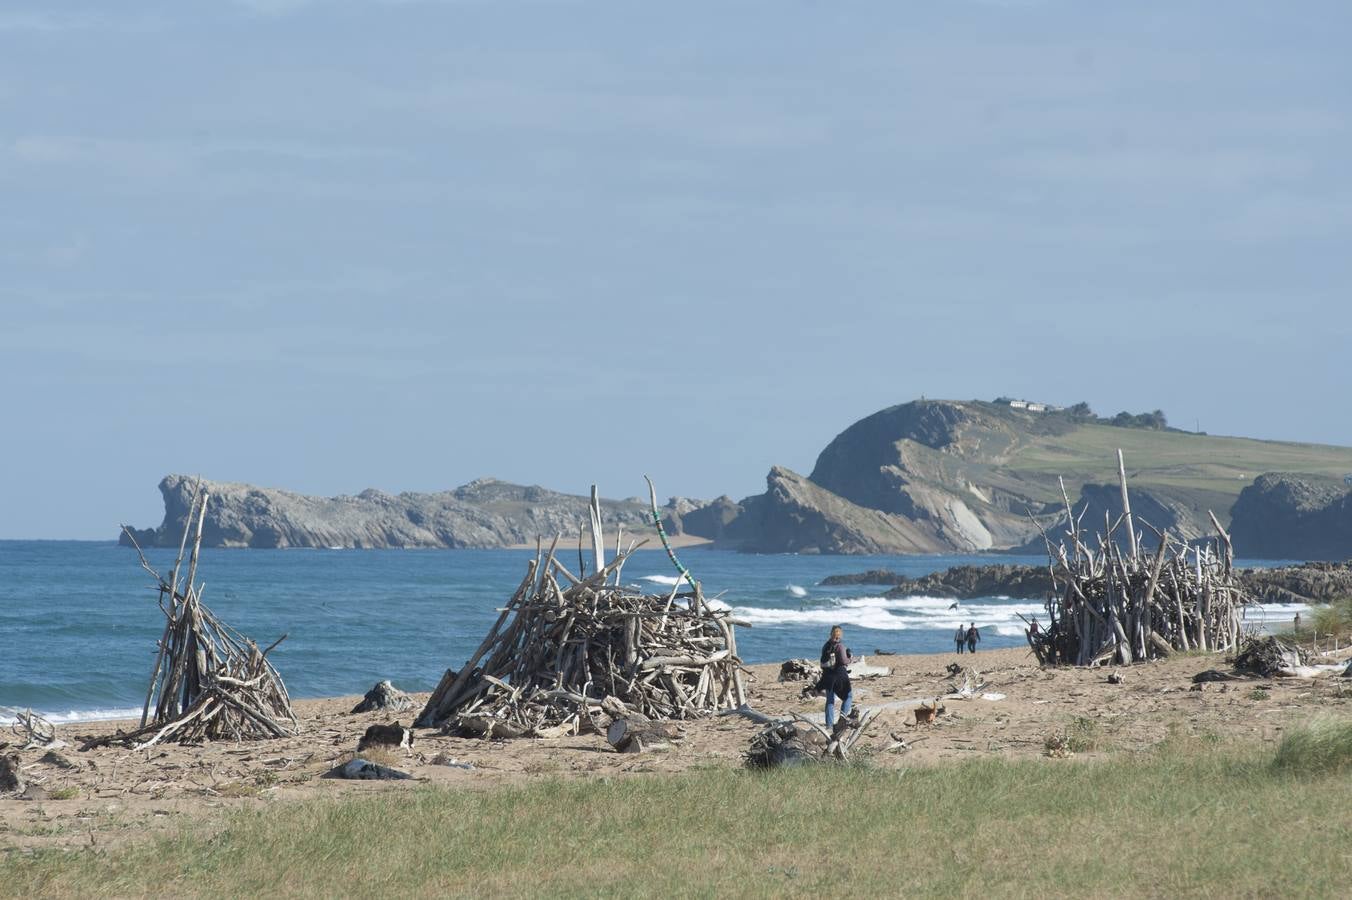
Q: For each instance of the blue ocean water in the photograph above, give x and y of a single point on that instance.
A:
(79, 620)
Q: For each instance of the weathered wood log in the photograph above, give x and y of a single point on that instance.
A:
(635, 735)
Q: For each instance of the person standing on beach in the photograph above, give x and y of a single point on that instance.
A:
(835, 679)
(959, 638)
(972, 637)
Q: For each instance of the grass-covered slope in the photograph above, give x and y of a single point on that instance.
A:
(1207, 470)
(969, 473)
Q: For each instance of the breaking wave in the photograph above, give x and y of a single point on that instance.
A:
(76, 715)
(668, 580)
(997, 615)
(1001, 615)
(796, 590)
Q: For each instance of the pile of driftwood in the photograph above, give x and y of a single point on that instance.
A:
(210, 682)
(1116, 601)
(565, 644)
(797, 741)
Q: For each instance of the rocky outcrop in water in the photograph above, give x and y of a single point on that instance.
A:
(967, 582)
(872, 576)
(1313, 582)
(483, 513)
(1283, 516)
(1316, 582)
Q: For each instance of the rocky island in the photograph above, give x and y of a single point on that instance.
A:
(484, 513)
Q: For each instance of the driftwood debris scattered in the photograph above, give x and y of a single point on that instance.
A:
(1132, 605)
(800, 670)
(34, 730)
(799, 741)
(564, 644)
(1268, 657)
(209, 682)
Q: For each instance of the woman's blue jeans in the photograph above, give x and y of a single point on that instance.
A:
(845, 706)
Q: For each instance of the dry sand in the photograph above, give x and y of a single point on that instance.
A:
(124, 794)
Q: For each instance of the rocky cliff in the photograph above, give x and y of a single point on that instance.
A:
(931, 476)
(483, 513)
(1285, 516)
(794, 515)
(940, 476)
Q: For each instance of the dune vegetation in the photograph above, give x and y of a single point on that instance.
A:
(1192, 817)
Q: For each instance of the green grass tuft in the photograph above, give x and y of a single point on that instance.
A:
(1323, 747)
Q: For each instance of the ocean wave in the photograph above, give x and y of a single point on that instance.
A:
(796, 590)
(898, 614)
(79, 715)
(1000, 616)
(668, 580)
(1275, 613)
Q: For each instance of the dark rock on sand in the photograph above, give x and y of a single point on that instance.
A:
(384, 696)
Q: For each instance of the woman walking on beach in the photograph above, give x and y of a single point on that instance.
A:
(835, 679)
(960, 638)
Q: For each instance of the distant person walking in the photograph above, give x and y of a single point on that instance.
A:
(836, 660)
(960, 638)
(972, 637)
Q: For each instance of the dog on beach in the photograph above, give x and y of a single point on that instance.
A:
(395, 736)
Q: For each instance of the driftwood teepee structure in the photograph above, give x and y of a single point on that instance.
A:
(565, 643)
(210, 682)
(1129, 605)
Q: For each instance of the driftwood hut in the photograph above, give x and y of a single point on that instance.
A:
(1115, 601)
(570, 653)
(209, 682)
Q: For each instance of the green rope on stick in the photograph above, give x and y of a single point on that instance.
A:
(662, 534)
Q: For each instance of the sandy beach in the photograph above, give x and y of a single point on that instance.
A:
(122, 795)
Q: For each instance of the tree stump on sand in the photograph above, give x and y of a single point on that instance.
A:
(636, 735)
(799, 741)
(786, 744)
(11, 780)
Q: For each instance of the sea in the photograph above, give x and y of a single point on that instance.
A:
(79, 620)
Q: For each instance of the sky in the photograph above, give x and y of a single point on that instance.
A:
(326, 246)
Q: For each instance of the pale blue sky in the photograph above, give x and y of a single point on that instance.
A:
(333, 245)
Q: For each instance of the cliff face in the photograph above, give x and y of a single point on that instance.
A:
(1284, 516)
(795, 515)
(484, 513)
(927, 462)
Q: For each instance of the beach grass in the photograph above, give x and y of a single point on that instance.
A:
(1187, 819)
